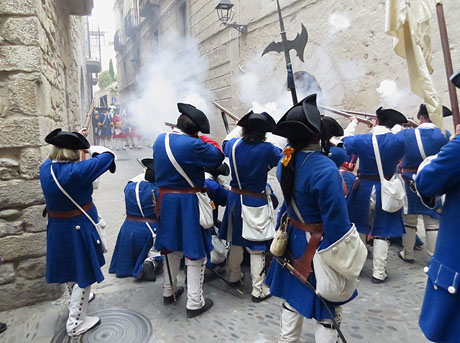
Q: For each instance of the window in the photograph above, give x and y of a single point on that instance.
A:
(182, 20)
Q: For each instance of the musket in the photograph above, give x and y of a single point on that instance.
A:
(89, 115)
(223, 279)
(227, 112)
(348, 115)
(285, 264)
(170, 124)
(410, 122)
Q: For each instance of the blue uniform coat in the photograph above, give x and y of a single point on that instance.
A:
(433, 140)
(135, 239)
(254, 161)
(392, 148)
(319, 196)
(179, 228)
(74, 252)
(105, 121)
(440, 316)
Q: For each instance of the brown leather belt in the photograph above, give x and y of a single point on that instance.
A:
(409, 170)
(69, 214)
(303, 266)
(249, 193)
(141, 219)
(167, 190)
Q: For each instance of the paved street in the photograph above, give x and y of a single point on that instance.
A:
(381, 313)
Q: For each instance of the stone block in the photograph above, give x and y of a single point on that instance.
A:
(6, 273)
(31, 159)
(10, 214)
(33, 219)
(24, 7)
(27, 292)
(23, 246)
(21, 31)
(21, 132)
(32, 269)
(23, 93)
(20, 58)
(10, 228)
(20, 193)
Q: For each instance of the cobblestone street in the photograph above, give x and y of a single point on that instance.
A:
(381, 313)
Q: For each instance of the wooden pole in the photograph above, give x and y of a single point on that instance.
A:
(447, 62)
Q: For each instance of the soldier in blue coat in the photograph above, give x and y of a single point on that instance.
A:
(253, 157)
(180, 158)
(132, 255)
(310, 182)
(440, 316)
(74, 249)
(105, 126)
(432, 140)
(364, 200)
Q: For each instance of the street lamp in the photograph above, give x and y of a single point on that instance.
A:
(225, 14)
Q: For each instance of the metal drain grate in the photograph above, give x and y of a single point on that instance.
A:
(117, 326)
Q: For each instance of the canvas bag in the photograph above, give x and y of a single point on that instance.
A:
(100, 227)
(258, 222)
(393, 192)
(204, 202)
(337, 267)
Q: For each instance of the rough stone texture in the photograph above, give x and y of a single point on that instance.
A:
(31, 159)
(20, 58)
(9, 214)
(23, 94)
(20, 193)
(32, 269)
(20, 31)
(6, 273)
(25, 292)
(10, 228)
(26, 126)
(33, 219)
(23, 246)
(24, 7)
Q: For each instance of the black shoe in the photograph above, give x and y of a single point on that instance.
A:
(408, 260)
(170, 300)
(2, 327)
(207, 305)
(377, 281)
(260, 299)
(148, 270)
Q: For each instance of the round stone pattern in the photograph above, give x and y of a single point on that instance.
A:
(117, 326)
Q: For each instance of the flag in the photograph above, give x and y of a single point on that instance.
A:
(409, 22)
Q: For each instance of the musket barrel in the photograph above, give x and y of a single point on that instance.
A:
(227, 112)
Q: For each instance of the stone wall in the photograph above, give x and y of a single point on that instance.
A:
(43, 85)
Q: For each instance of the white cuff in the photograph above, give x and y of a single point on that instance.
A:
(351, 128)
(237, 132)
(98, 149)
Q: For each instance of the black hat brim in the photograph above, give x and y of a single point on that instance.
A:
(263, 122)
(390, 117)
(197, 116)
(455, 79)
(293, 130)
(330, 128)
(67, 140)
(148, 163)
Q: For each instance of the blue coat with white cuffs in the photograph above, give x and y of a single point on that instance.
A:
(440, 316)
(135, 239)
(254, 161)
(319, 196)
(433, 140)
(392, 148)
(179, 228)
(74, 252)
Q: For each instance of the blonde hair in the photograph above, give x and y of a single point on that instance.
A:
(62, 155)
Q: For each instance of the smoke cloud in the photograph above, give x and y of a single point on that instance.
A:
(401, 99)
(176, 75)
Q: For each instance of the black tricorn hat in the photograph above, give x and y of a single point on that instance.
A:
(197, 116)
(262, 122)
(455, 79)
(222, 169)
(303, 119)
(67, 140)
(446, 112)
(150, 172)
(389, 117)
(330, 127)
